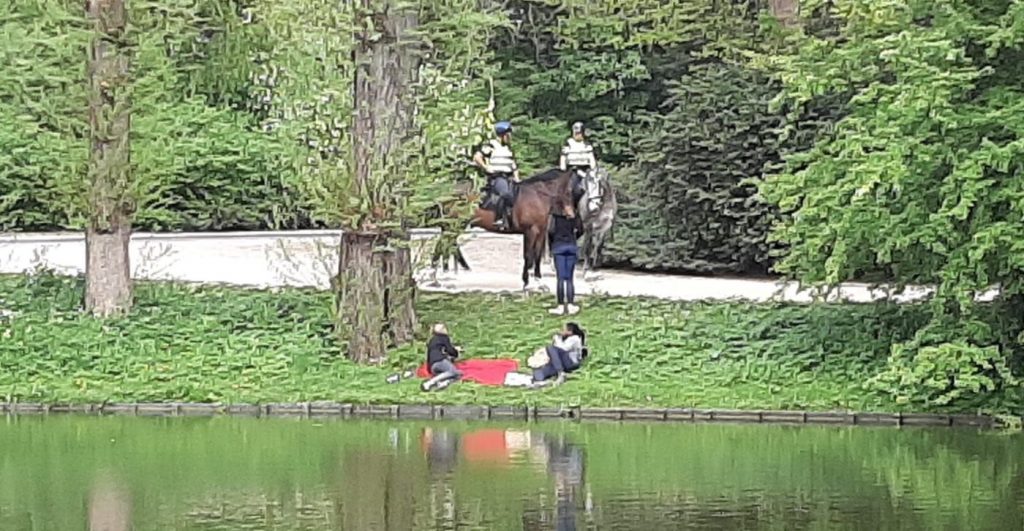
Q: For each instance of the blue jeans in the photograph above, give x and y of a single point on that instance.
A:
(560, 362)
(565, 256)
(443, 370)
(501, 186)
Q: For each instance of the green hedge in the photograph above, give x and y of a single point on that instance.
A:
(686, 205)
(205, 162)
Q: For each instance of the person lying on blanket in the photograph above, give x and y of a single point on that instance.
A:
(440, 354)
(565, 354)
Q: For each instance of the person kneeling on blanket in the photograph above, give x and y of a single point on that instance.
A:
(440, 353)
(565, 354)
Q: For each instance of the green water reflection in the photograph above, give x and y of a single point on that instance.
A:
(70, 473)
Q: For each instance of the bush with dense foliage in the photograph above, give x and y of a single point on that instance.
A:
(201, 164)
(921, 178)
(686, 205)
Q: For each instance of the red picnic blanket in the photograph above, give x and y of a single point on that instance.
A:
(486, 372)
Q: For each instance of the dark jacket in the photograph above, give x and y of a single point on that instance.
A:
(564, 231)
(440, 348)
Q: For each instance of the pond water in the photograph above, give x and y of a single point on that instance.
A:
(71, 473)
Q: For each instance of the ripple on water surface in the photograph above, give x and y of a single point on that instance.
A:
(235, 473)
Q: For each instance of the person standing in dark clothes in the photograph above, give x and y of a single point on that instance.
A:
(563, 231)
(440, 353)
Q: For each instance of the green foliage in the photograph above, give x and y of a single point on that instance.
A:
(948, 363)
(671, 106)
(43, 128)
(687, 205)
(945, 373)
(920, 178)
(308, 76)
(195, 162)
(195, 343)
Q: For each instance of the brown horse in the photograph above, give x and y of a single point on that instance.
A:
(534, 200)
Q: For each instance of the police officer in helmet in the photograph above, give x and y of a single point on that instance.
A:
(577, 155)
(498, 163)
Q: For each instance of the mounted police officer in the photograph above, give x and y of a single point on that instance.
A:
(578, 155)
(497, 161)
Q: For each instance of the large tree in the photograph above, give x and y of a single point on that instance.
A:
(108, 285)
(370, 90)
(375, 284)
(921, 179)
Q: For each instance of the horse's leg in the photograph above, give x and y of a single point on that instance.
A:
(526, 273)
(585, 252)
(539, 245)
(538, 257)
(460, 259)
(599, 249)
(527, 254)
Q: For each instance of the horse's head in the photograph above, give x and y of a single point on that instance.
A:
(596, 184)
(597, 187)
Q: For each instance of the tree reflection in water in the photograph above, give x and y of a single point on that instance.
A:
(232, 474)
(110, 506)
(565, 464)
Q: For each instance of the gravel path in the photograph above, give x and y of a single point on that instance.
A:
(307, 258)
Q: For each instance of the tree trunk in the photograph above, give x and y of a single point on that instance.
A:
(361, 302)
(401, 292)
(386, 64)
(787, 11)
(110, 507)
(375, 285)
(374, 489)
(108, 286)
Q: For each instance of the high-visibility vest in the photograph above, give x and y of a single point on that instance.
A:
(578, 153)
(499, 157)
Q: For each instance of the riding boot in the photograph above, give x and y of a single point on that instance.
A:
(500, 215)
(506, 218)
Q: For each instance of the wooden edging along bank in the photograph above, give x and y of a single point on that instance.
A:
(433, 412)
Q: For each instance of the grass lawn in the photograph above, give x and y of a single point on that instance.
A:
(217, 344)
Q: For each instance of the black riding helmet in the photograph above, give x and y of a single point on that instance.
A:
(577, 127)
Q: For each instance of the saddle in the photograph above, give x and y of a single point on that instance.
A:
(489, 198)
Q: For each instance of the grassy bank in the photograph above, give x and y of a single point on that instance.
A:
(191, 343)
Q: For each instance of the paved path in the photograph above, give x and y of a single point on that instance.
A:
(308, 258)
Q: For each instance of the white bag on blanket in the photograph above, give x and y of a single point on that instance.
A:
(538, 359)
(518, 379)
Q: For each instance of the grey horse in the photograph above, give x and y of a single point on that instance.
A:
(598, 208)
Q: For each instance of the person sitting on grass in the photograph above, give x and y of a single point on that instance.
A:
(440, 353)
(566, 353)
